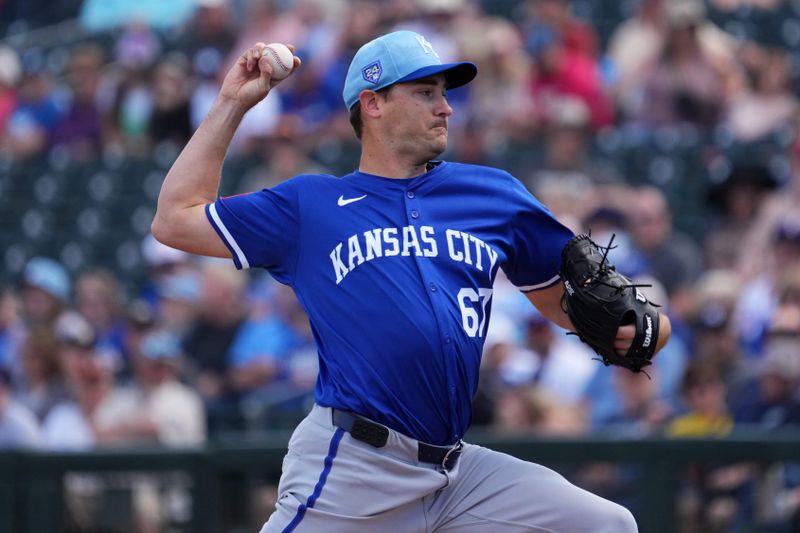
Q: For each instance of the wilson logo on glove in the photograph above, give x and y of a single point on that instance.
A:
(648, 330)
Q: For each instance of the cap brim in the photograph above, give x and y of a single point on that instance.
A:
(455, 74)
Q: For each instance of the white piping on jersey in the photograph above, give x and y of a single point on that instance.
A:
(212, 208)
(529, 288)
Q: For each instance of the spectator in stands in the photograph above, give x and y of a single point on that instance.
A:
(170, 120)
(98, 297)
(259, 20)
(567, 135)
(28, 130)
(207, 343)
(638, 41)
(564, 366)
(499, 351)
(19, 428)
(756, 247)
(140, 318)
(704, 396)
(633, 44)
(707, 503)
(780, 511)
(563, 71)
(266, 360)
(442, 22)
(155, 409)
(672, 258)
(161, 261)
(68, 425)
(210, 35)
(361, 22)
(45, 290)
(80, 127)
(715, 336)
(567, 161)
(41, 385)
(268, 18)
(313, 26)
(505, 74)
(641, 412)
(137, 46)
(257, 354)
(608, 221)
(758, 300)
(158, 408)
(10, 74)
(12, 331)
(786, 319)
(77, 424)
(633, 410)
(770, 103)
(531, 409)
(136, 51)
(179, 295)
(576, 35)
(280, 156)
(772, 401)
(736, 202)
(682, 86)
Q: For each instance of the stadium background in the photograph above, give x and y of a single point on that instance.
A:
(145, 390)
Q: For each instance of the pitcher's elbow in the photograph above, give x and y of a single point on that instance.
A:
(160, 229)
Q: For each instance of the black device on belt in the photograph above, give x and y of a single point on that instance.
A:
(377, 435)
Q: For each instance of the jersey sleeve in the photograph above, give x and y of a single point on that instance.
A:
(260, 228)
(537, 239)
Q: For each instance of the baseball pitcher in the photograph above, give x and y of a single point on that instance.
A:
(394, 265)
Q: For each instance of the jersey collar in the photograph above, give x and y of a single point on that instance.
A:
(436, 168)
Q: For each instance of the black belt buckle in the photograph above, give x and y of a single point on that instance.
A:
(443, 456)
(450, 458)
(373, 434)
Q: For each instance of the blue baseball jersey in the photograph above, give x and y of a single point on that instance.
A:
(396, 277)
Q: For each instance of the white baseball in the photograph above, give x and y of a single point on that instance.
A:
(280, 58)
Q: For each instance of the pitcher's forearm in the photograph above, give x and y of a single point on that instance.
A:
(193, 180)
(194, 177)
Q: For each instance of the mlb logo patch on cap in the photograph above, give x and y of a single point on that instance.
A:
(372, 72)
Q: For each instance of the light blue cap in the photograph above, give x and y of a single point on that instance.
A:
(399, 57)
(48, 275)
(183, 286)
(160, 345)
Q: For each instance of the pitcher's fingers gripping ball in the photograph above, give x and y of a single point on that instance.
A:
(599, 300)
(280, 59)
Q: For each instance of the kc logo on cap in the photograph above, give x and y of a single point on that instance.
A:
(372, 72)
(426, 45)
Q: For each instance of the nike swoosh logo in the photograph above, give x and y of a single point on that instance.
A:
(344, 201)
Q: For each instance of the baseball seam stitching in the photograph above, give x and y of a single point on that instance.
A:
(277, 59)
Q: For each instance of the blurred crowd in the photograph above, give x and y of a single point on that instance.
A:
(199, 348)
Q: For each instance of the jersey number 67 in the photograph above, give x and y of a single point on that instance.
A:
(470, 302)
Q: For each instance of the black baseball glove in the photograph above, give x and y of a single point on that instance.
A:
(599, 300)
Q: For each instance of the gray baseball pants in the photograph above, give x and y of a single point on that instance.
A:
(333, 483)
